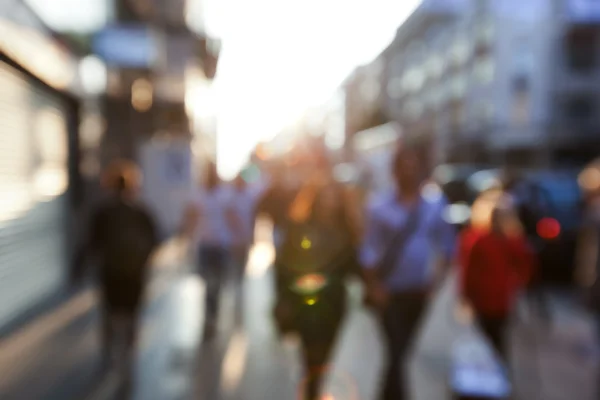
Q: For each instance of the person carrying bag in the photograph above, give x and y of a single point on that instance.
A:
(405, 237)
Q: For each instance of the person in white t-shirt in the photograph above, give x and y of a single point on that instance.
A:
(210, 222)
(244, 198)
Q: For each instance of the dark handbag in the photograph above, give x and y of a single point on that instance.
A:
(395, 248)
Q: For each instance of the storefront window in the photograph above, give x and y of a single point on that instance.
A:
(458, 86)
(413, 80)
(460, 51)
(484, 70)
(394, 88)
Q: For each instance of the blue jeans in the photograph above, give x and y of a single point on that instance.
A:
(213, 262)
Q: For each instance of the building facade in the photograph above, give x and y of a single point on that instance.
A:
(497, 82)
(39, 118)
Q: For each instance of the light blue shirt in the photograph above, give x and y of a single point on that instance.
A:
(213, 228)
(432, 238)
(244, 204)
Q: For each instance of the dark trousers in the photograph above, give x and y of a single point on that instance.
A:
(316, 352)
(121, 303)
(239, 255)
(494, 329)
(318, 338)
(401, 320)
(213, 269)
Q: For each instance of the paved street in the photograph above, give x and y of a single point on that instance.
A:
(55, 357)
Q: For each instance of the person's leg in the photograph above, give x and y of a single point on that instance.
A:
(239, 265)
(107, 323)
(390, 324)
(107, 335)
(401, 321)
(494, 329)
(214, 267)
(317, 347)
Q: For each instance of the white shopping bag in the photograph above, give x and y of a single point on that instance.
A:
(475, 371)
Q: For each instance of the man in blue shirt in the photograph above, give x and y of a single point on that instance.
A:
(404, 241)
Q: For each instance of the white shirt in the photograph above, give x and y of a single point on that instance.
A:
(244, 203)
(213, 227)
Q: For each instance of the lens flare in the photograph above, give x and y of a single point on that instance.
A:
(306, 244)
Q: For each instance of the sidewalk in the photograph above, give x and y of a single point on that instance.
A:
(556, 362)
(55, 356)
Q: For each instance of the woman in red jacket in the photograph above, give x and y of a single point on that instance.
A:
(496, 267)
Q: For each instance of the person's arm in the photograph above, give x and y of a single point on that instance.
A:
(233, 218)
(472, 270)
(523, 258)
(191, 220)
(352, 212)
(465, 246)
(370, 253)
(446, 243)
(587, 256)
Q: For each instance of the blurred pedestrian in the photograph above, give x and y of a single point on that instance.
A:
(275, 200)
(406, 245)
(244, 201)
(500, 263)
(316, 255)
(122, 236)
(588, 244)
(209, 221)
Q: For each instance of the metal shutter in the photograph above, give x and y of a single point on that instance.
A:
(33, 170)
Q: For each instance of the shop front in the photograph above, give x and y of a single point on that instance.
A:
(38, 152)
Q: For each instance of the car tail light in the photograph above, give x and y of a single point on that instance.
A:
(548, 228)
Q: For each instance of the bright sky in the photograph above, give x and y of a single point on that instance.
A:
(279, 57)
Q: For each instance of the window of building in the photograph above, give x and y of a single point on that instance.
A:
(397, 62)
(484, 69)
(413, 80)
(460, 51)
(394, 88)
(413, 109)
(370, 90)
(523, 61)
(437, 96)
(458, 86)
(580, 108)
(435, 66)
(485, 31)
(581, 48)
(521, 109)
(483, 113)
(457, 114)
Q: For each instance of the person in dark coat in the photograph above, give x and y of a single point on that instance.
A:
(122, 236)
(316, 255)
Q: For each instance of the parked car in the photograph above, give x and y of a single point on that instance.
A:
(550, 208)
(549, 203)
(453, 181)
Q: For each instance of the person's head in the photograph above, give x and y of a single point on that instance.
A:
(211, 177)
(123, 178)
(408, 168)
(239, 182)
(589, 182)
(483, 208)
(504, 219)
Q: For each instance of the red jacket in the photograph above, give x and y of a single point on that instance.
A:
(494, 268)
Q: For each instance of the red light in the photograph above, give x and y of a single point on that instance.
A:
(548, 228)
